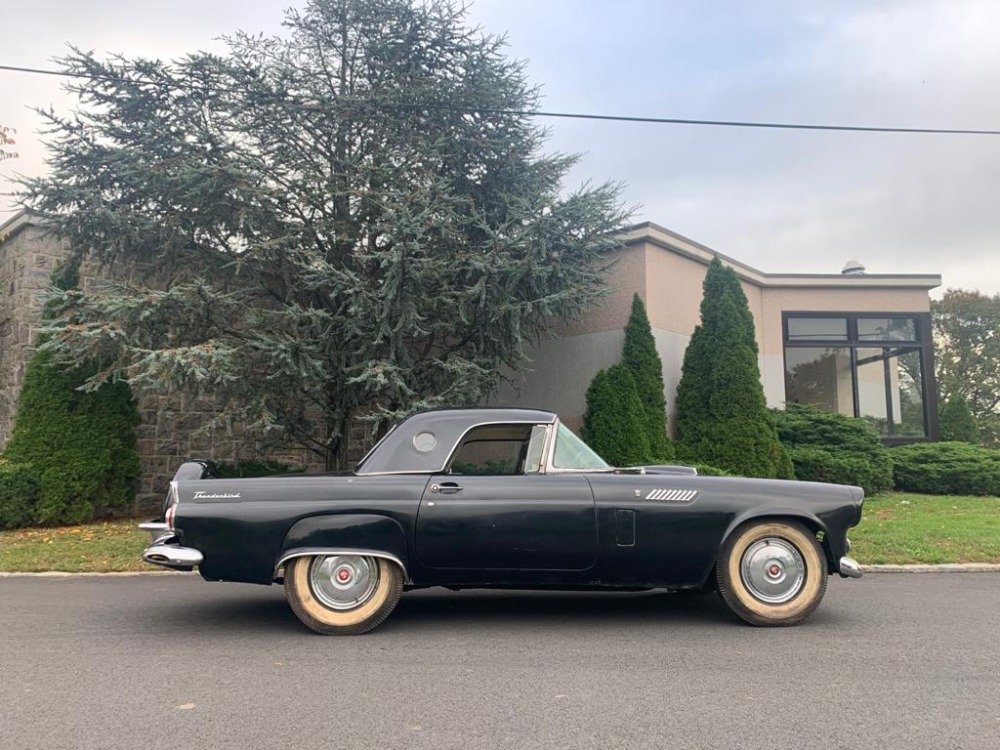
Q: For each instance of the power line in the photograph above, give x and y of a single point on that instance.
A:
(570, 115)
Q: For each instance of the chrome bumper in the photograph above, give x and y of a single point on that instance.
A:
(165, 550)
(849, 568)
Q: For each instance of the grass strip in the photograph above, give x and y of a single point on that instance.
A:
(904, 528)
(90, 548)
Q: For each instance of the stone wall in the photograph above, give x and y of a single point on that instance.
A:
(169, 428)
(27, 259)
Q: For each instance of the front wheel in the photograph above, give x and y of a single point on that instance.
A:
(772, 573)
(342, 594)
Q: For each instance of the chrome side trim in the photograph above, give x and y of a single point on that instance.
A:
(326, 551)
(849, 568)
(172, 556)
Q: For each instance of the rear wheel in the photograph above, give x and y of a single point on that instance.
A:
(772, 573)
(342, 594)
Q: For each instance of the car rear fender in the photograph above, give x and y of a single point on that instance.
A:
(345, 534)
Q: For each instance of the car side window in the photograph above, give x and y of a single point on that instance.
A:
(496, 450)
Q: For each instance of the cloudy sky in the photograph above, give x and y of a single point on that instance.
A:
(782, 201)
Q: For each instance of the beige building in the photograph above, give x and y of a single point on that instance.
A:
(851, 342)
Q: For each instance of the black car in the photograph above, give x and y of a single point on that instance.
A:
(473, 498)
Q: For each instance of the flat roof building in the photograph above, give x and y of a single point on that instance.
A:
(851, 342)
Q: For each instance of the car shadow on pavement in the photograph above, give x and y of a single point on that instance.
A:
(536, 608)
(265, 610)
(229, 610)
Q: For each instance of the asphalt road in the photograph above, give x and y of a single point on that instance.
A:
(889, 661)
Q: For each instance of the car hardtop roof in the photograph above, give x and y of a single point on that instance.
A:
(489, 413)
(439, 431)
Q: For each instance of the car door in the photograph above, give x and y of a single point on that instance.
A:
(494, 510)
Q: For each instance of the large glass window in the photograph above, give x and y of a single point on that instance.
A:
(877, 373)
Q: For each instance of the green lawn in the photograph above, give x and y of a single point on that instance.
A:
(902, 528)
(897, 528)
(95, 547)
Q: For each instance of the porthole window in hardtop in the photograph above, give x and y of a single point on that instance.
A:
(868, 366)
(499, 449)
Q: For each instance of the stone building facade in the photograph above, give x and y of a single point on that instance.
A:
(167, 432)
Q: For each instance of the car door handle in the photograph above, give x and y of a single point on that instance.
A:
(446, 488)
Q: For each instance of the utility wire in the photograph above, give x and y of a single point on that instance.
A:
(567, 115)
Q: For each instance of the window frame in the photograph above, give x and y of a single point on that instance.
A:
(923, 343)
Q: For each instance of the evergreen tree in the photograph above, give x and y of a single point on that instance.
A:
(80, 446)
(956, 422)
(353, 218)
(642, 359)
(722, 416)
(967, 355)
(613, 422)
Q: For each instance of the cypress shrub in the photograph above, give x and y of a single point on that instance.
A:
(722, 416)
(613, 422)
(18, 494)
(640, 356)
(830, 447)
(80, 444)
(956, 421)
(953, 468)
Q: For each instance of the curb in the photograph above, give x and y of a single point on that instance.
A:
(112, 574)
(946, 568)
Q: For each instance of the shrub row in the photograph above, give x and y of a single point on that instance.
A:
(19, 494)
(830, 447)
(954, 468)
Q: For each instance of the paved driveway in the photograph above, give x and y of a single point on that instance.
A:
(890, 661)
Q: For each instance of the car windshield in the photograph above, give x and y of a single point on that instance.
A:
(572, 453)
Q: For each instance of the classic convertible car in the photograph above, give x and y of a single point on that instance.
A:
(505, 498)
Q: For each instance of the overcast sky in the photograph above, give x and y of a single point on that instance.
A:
(781, 201)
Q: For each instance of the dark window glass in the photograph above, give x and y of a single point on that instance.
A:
(877, 374)
(910, 417)
(820, 377)
(492, 450)
(887, 329)
(817, 329)
(890, 390)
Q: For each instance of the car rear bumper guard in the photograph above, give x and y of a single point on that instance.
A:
(166, 550)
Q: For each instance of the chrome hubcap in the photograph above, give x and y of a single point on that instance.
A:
(343, 581)
(772, 570)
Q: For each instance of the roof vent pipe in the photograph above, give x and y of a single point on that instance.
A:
(853, 268)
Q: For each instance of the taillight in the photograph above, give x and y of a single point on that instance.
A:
(173, 496)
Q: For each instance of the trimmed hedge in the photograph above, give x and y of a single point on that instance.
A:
(19, 494)
(722, 416)
(830, 447)
(640, 356)
(613, 422)
(953, 468)
(82, 445)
